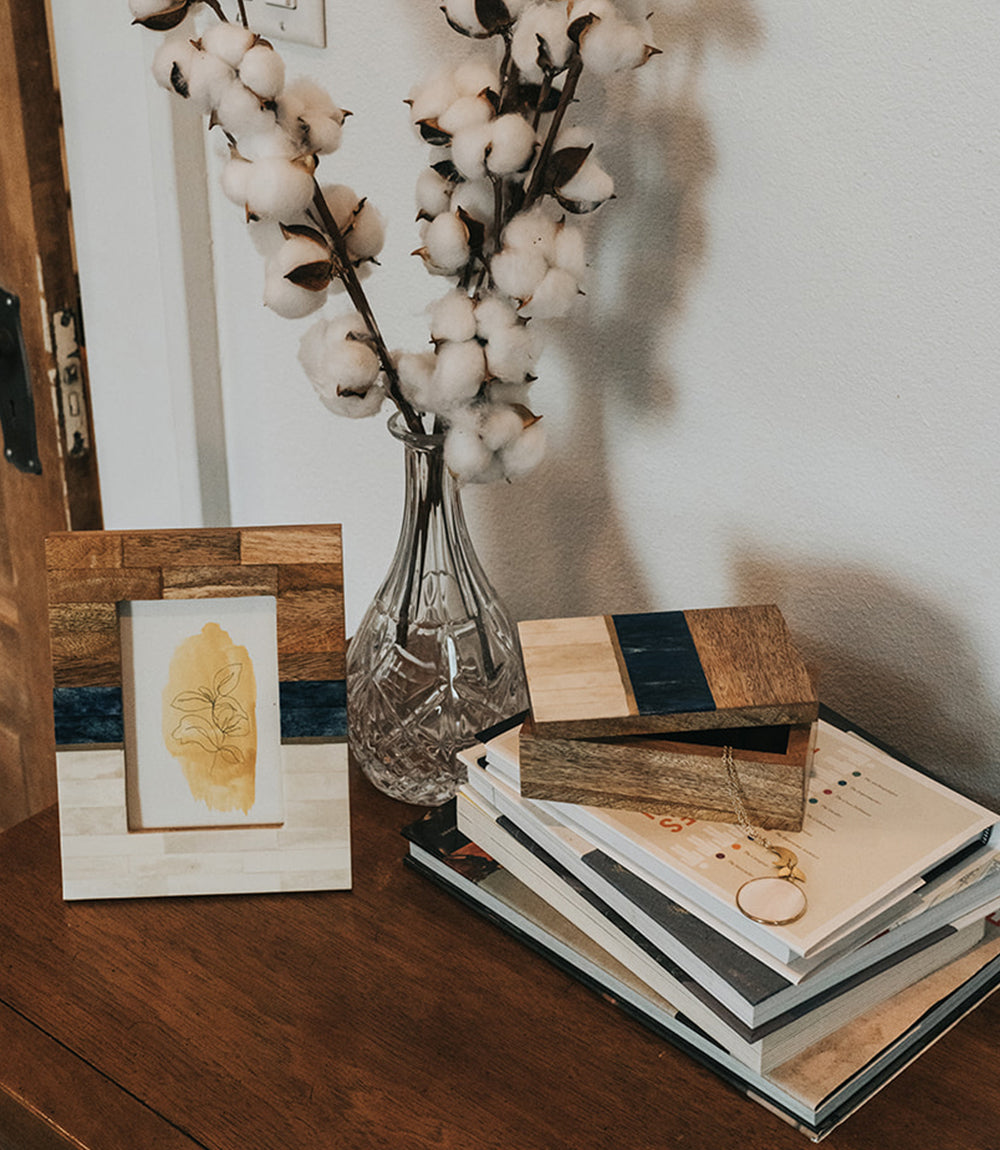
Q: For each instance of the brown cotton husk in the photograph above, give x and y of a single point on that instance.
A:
(309, 233)
(564, 164)
(580, 25)
(432, 134)
(313, 277)
(578, 207)
(165, 21)
(528, 417)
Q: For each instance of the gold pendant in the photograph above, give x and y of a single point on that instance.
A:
(775, 900)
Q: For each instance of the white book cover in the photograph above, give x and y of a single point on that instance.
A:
(720, 958)
(478, 821)
(873, 828)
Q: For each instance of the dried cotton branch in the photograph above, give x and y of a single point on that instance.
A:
(505, 173)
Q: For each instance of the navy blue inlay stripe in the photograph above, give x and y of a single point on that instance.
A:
(662, 662)
(314, 709)
(88, 715)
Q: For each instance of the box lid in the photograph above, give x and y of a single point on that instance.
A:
(601, 675)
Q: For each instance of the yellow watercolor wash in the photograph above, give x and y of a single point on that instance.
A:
(209, 719)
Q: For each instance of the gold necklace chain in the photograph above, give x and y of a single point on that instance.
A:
(757, 904)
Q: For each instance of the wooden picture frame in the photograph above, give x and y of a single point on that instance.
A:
(89, 574)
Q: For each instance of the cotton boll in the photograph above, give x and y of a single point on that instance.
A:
(458, 374)
(354, 405)
(342, 202)
(143, 9)
(240, 113)
(172, 64)
(321, 135)
(365, 236)
(359, 221)
(277, 187)
(280, 293)
(588, 189)
(475, 198)
(446, 244)
(474, 76)
(467, 457)
(613, 46)
(228, 41)
(569, 250)
(462, 14)
(430, 98)
(289, 300)
(310, 117)
(263, 70)
(553, 297)
(512, 144)
(433, 193)
(208, 78)
(524, 453)
(465, 112)
(509, 393)
(532, 231)
(235, 179)
(518, 273)
(416, 377)
(270, 139)
(499, 426)
(343, 369)
(494, 314)
(512, 352)
(468, 150)
(540, 39)
(453, 317)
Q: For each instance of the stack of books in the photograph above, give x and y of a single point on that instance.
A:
(809, 1018)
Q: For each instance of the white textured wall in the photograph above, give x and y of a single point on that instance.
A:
(782, 384)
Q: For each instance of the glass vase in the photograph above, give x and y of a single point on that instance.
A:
(436, 658)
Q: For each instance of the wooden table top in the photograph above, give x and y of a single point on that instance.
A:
(387, 1016)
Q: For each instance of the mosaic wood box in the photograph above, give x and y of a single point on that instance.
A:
(616, 703)
(682, 774)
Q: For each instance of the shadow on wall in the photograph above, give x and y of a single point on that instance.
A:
(891, 660)
(561, 526)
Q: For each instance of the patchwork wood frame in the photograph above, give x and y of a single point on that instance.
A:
(89, 573)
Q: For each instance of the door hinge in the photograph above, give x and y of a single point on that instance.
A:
(70, 385)
(17, 407)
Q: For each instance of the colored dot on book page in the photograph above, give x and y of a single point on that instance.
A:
(814, 800)
(720, 855)
(828, 792)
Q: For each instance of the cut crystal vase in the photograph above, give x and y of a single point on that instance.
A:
(436, 658)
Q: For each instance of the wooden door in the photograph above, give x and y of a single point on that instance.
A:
(60, 491)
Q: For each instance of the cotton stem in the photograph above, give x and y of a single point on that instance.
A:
(348, 276)
(536, 188)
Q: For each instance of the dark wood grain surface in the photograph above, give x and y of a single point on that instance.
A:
(388, 1016)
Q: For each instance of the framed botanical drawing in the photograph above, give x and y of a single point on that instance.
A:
(199, 710)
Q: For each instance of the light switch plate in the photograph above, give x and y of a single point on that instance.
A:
(302, 23)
